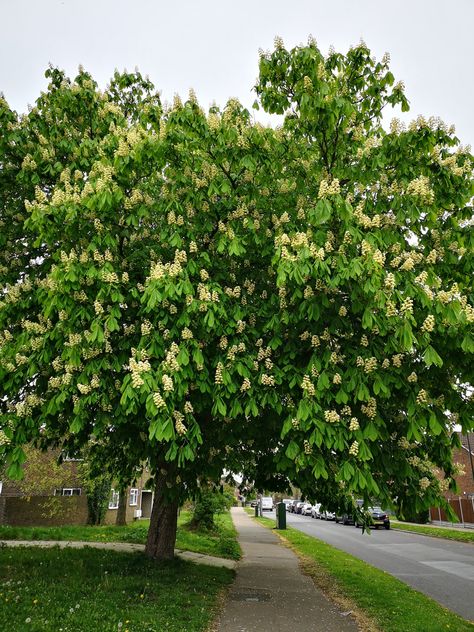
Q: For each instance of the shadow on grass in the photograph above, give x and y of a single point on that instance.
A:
(89, 590)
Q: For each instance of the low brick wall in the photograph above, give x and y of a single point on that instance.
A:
(21, 512)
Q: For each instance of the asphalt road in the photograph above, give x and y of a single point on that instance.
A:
(441, 569)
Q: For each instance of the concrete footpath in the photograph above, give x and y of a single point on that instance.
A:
(127, 547)
(270, 594)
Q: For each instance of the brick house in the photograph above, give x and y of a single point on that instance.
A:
(465, 457)
(461, 502)
(17, 508)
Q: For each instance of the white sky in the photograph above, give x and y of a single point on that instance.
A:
(212, 45)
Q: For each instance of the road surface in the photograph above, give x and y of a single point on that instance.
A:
(441, 569)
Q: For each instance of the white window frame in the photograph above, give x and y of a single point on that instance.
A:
(133, 497)
(68, 491)
(114, 499)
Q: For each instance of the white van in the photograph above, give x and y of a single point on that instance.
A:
(267, 503)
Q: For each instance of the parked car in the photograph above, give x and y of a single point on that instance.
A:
(345, 518)
(348, 518)
(379, 518)
(287, 502)
(299, 507)
(306, 509)
(315, 511)
(293, 505)
(267, 503)
(328, 515)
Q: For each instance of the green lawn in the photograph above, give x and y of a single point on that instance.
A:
(460, 535)
(389, 603)
(221, 542)
(87, 590)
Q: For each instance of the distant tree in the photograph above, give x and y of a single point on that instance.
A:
(44, 477)
(210, 502)
(198, 292)
(97, 488)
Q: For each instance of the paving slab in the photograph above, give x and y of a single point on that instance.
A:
(270, 593)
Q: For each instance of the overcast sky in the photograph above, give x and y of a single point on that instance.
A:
(212, 45)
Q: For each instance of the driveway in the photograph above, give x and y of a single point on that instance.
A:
(441, 569)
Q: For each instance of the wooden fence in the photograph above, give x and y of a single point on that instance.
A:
(463, 507)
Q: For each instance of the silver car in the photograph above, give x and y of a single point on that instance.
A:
(315, 513)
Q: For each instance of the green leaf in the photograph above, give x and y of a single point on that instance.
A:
(346, 472)
(75, 426)
(15, 471)
(183, 357)
(209, 319)
(321, 213)
(287, 426)
(164, 430)
(431, 357)
(236, 409)
(362, 483)
(319, 469)
(304, 410)
(112, 324)
(468, 344)
(197, 356)
(363, 393)
(370, 432)
(323, 381)
(292, 450)
(405, 336)
(253, 408)
(221, 407)
(435, 427)
(367, 319)
(342, 397)
(153, 429)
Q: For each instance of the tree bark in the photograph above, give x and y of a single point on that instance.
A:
(163, 521)
(121, 518)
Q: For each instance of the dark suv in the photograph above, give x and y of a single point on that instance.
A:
(379, 518)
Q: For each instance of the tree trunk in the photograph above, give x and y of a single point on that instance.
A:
(121, 518)
(163, 522)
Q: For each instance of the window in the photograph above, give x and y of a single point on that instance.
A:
(68, 491)
(114, 499)
(134, 497)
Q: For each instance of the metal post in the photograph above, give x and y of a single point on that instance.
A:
(281, 516)
(460, 508)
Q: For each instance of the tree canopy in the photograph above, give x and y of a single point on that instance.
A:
(198, 291)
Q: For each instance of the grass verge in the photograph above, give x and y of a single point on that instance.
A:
(388, 603)
(437, 532)
(220, 542)
(46, 590)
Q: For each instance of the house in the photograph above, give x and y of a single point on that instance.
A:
(54, 495)
(463, 501)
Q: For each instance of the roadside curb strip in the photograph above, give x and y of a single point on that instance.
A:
(429, 535)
